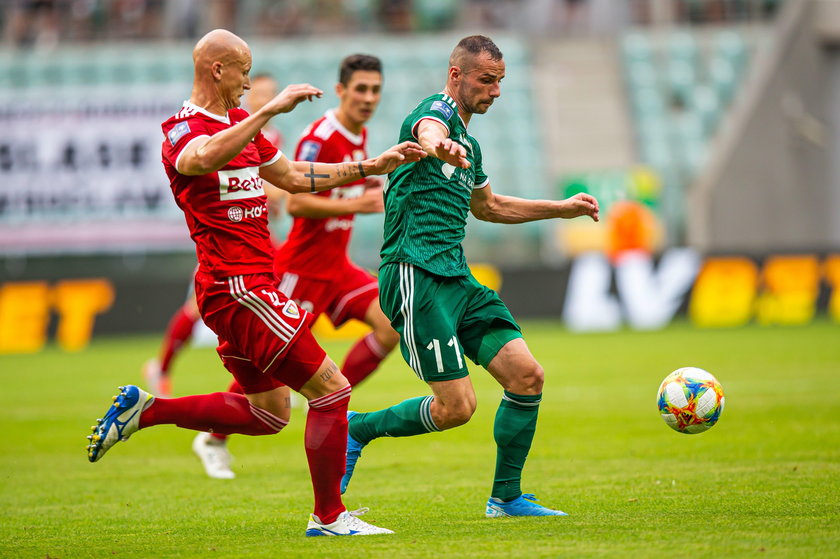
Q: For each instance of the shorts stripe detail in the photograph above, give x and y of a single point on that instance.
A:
(426, 414)
(269, 310)
(288, 284)
(268, 418)
(268, 315)
(520, 402)
(407, 311)
(349, 297)
(329, 399)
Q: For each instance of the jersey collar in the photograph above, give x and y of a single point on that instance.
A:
(196, 108)
(355, 138)
(454, 105)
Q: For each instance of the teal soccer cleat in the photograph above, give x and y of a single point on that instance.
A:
(121, 421)
(354, 451)
(524, 505)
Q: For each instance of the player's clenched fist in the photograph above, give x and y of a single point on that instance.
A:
(291, 95)
(581, 204)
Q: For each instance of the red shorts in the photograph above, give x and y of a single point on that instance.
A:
(264, 338)
(347, 295)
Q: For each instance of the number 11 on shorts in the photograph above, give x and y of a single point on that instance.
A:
(435, 345)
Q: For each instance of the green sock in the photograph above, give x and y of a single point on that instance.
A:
(516, 421)
(411, 417)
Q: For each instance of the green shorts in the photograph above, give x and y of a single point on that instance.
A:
(442, 319)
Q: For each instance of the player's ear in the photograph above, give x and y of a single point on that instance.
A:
(216, 70)
(340, 89)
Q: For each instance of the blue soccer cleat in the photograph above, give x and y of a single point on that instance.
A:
(347, 524)
(121, 421)
(524, 505)
(354, 451)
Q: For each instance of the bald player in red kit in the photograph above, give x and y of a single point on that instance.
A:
(216, 159)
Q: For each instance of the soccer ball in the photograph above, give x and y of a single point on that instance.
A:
(690, 400)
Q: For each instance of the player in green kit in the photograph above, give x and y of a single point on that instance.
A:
(442, 313)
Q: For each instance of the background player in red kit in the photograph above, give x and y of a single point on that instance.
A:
(313, 264)
(156, 371)
(216, 158)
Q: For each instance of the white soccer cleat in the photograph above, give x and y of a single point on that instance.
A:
(347, 524)
(214, 455)
(158, 383)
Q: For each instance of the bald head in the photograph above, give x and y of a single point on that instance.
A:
(469, 49)
(219, 45)
(222, 62)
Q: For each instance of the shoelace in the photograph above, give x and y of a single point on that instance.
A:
(359, 512)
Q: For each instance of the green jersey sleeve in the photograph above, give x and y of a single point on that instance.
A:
(481, 178)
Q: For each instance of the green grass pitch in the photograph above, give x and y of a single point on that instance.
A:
(764, 482)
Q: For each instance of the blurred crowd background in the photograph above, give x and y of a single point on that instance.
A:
(46, 23)
(706, 128)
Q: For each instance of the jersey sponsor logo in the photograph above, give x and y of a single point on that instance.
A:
(235, 214)
(238, 184)
(178, 131)
(238, 213)
(291, 310)
(309, 151)
(443, 109)
(338, 223)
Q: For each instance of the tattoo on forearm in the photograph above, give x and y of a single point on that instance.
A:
(329, 373)
(312, 176)
(361, 170)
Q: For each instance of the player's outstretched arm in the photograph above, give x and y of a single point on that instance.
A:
(434, 138)
(488, 206)
(314, 206)
(306, 176)
(211, 153)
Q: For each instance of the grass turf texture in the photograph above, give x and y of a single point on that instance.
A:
(763, 482)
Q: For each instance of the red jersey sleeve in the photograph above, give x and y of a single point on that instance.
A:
(179, 134)
(268, 151)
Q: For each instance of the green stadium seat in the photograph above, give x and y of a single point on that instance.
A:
(636, 47)
(682, 46)
(705, 103)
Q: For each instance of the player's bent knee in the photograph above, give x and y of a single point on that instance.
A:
(529, 381)
(455, 415)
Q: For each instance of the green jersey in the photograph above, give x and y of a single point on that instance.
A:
(427, 202)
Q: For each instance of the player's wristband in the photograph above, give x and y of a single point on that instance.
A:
(362, 170)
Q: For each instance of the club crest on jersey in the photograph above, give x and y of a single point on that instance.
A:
(291, 310)
(309, 151)
(443, 109)
(178, 131)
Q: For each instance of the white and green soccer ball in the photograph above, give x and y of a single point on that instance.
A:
(690, 400)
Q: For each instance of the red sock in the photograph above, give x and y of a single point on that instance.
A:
(178, 332)
(220, 412)
(235, 388)
(326, 451)
(362, 359)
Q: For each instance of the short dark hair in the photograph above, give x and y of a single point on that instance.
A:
(474, 45)
(356, 62)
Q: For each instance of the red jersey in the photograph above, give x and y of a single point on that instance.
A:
(226, 210)
(317, 247)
